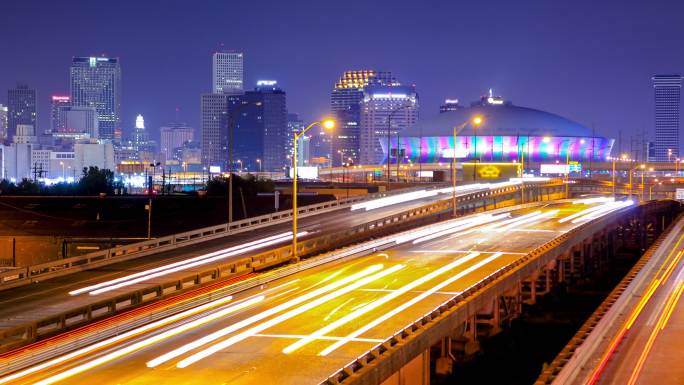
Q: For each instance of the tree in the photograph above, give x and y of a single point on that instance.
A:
(95, 181)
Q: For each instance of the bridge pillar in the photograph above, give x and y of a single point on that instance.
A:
(445, 361)
(416, 371)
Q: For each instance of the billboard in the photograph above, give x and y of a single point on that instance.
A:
(305, 172)
(489, 171)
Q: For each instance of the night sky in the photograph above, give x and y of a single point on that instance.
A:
(590, 61)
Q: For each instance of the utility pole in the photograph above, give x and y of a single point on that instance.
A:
(148, 207)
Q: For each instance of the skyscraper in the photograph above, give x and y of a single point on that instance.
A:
(260, 127)
(295, 125)
(173, 136)
(3, 122)
(667, 95)
(214, 111)
(385, 110)
(21, 108)
(57, 101)
(96, 82)
(344, 105)
(227, 72)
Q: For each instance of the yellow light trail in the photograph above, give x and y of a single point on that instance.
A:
(527, 221)
(481, 221)
(354, 335)
(283, 317)
(258, 317)
(379, 302)
(654, 334)
(146, 342)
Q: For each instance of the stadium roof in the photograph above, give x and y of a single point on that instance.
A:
(504, 119)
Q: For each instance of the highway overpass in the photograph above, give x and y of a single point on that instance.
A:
(370, 318)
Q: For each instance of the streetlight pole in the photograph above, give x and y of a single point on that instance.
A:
(613, 176)
(63, 177)
(329, 124)
(643, 192)
(477, 120)
(389, 143)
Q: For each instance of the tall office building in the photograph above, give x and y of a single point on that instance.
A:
(96, 82)
(260, 127)
(385, 111)
(295, 125)
(57, 101)
(3, 123)
(173, 136)
(75, 122)
(344, 105)
(21, 108)
(227, 72)
(214, 113)
(667, 95)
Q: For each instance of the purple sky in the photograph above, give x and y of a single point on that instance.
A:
(588, 60)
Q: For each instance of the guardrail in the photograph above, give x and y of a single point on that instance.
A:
(19, 335)
(34, 273)
(427, 330)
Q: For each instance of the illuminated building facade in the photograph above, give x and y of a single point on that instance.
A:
(21, 108)
(96, 82)
(345, 106)
(3, 122)
(667, 90)
(57, 101)
(449, 105)
(227, 73)
(174, 136)
(385, 110)
(260, 128)
(507, 134)
(214, 139)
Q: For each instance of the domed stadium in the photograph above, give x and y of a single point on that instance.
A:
(505, 134)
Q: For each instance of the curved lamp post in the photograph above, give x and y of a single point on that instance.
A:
(476, 121)
(328, 124)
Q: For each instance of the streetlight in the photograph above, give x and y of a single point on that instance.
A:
(259, 163)
(328, 124)
(240, 163)
(643, 192)
(389, 135)
(477, 120)
(62, 164)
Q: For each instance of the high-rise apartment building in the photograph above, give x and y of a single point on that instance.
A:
(227, 73)
(213, 126)
(385, 111)
(3, 123)
(667, 99)
(295, 125)
(173, 136)
(96, 82)
(56, 102)
(21, 108)
(344, 105)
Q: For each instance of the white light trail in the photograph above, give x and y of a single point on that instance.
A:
(428, 230)
(393, 200)
(120, 337)
(270, 312)
(352, 336)
(587, 201)
(584, 212)
(607, 208)
(528, 220)
(379, 302)
(190, 265)
(146, 342)
(233, 249)
(485, 219)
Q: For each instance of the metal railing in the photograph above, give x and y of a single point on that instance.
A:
(25, 275)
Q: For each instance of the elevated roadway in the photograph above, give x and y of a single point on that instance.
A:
(302, 328)
(637, 338)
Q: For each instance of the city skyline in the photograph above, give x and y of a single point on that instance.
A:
(578, 76)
